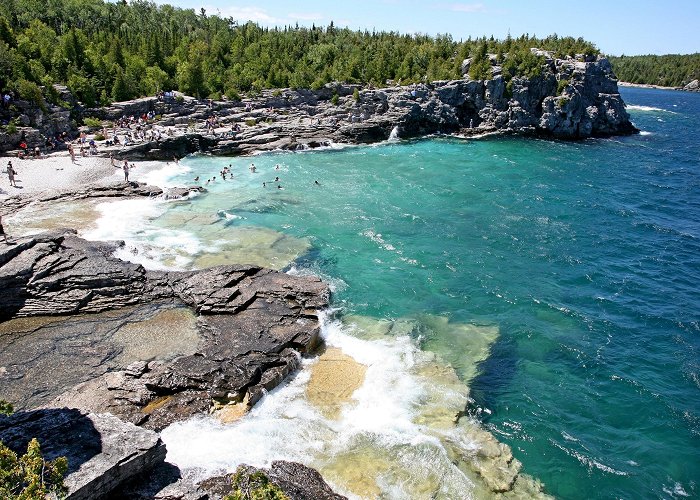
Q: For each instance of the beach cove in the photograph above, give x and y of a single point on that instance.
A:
(515, 220)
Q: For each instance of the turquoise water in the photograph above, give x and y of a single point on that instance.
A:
(586, 255)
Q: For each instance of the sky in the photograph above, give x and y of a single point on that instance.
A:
(617, 27)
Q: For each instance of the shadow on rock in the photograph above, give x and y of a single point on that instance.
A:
(103, 452)
(62, 432)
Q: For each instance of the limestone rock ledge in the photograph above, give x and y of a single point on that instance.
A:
(255, 322)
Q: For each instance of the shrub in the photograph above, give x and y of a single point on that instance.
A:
(276, 93)
(356, 95)
(561, 86)
(257, 486)
(99, 137)
(92, 122)
(179, 99)
(30, 477)
(5, 407)
(31, 92)
(509, 89)
(334, 99)
(563, 101)
(250, 122)
(104, 99)
(12, 127)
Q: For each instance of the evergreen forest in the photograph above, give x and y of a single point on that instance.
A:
(671, 70)
(113, 51)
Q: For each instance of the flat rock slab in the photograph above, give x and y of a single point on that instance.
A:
(254, 322)
(103, 452)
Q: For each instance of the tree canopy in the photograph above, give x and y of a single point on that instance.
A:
(107, 51)
(671, 70)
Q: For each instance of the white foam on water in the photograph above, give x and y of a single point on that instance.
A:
(163, 174)
(284, 425)
(675, 491)
(145, 244)
(394, 135)
(587, 461)
(334, 283)
(635, 107)
(228, 215)
(644, 132)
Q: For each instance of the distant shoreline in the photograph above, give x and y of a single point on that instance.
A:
(648, 86)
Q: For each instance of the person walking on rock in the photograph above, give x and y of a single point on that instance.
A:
(126, 170)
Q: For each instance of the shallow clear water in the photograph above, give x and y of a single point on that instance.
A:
(584, 255)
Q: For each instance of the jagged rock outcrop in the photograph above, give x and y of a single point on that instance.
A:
(103, 452)
(254, 324)
(693, 86)
(571, 98)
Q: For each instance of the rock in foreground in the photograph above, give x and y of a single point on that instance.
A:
(295, 480)
(103, 452)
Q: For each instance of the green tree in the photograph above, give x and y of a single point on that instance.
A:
(120, 91)
(82, 88)
(30, 477)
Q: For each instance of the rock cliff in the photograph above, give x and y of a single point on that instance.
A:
(571, 98)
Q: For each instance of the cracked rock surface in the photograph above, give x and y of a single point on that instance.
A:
(254, 324)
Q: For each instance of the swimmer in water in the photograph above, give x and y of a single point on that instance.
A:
(317, 183)
(277, 167)
(196, 179)
(279, 186)
(277, 179)
(264, 185)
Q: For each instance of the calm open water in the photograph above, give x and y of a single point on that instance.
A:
(585, 255)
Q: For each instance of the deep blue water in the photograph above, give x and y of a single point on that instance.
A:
(586, 255)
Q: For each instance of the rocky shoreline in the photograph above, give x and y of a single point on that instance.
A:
(693, 86)
(569, 99)
(253, 323)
